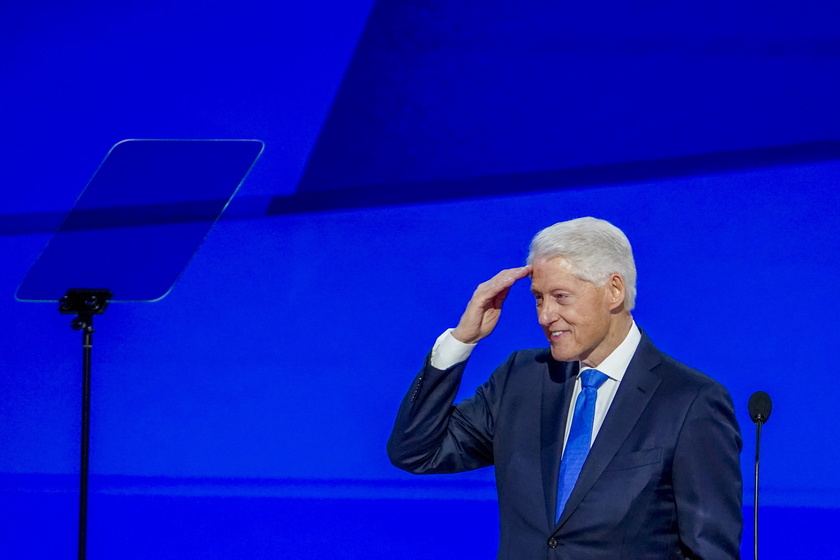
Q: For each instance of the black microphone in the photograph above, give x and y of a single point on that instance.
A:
(759, 407)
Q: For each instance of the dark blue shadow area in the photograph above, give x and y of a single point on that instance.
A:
(257, 528)
(444, 91)
(42, 525)
(225, 528)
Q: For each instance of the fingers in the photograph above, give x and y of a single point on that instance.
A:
(501, 282)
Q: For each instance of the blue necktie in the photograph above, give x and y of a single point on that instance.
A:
(580, 436)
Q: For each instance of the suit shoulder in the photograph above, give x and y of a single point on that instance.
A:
(650, 357)
(686, 376)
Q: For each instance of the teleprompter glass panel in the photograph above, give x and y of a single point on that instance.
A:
(140, 219)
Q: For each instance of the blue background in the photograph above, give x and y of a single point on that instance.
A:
(411, 151)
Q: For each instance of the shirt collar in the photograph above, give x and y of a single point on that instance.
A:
(615, 365)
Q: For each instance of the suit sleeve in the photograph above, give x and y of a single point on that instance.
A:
(432, 435)
(707, 478)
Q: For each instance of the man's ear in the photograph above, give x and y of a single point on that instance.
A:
(616, 291)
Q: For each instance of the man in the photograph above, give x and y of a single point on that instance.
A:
(661, 479)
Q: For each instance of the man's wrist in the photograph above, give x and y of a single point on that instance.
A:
(449, 351)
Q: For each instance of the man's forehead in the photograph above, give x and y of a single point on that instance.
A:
(555, 273)
(553, 261)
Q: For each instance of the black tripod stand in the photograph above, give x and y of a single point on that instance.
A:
(84, 304)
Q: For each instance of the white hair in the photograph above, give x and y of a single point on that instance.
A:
(594, 249)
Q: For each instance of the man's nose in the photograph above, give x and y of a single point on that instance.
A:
(547, 314)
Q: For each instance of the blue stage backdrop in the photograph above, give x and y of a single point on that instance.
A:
(412, 151)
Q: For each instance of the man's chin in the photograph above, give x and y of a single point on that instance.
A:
(563, 355)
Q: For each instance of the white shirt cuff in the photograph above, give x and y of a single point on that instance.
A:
(449, 351)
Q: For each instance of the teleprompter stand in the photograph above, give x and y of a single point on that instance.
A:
(133, 229)
(84, 304)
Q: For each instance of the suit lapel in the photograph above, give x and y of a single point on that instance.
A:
(558, 387)
(631, 399)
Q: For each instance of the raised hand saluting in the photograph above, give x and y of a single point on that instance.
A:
(485, 307)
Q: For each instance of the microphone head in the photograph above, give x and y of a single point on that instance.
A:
(760, 407)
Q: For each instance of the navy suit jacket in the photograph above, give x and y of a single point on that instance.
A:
(662, 480)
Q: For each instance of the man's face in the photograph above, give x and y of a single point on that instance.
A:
(574, 314)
